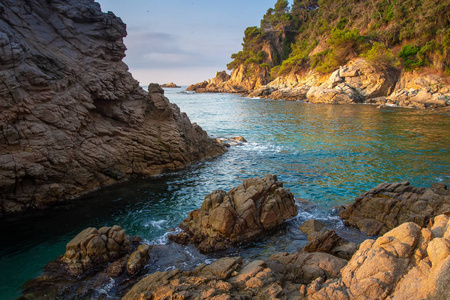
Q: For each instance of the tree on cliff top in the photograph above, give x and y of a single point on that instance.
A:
(277, 17)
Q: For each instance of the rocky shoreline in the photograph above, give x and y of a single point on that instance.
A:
(410, 258)
(356, 82)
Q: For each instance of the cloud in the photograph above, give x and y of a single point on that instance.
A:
(148, 50)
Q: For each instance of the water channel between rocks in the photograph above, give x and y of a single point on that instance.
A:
(327, 154)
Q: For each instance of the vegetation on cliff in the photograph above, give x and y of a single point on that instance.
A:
(324, 34)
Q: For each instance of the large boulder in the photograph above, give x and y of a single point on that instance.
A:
(388, 205)
(408, 262)
(243, 214)
(368, 80)
(341, 94)
(72, 118)
(93, 247)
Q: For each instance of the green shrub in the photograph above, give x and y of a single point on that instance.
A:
(408, 54)
(380, 57)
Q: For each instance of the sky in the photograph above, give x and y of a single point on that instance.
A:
(183, 41)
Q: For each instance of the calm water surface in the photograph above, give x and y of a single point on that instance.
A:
(324, 153)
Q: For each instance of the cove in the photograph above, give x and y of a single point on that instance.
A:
(324, 153)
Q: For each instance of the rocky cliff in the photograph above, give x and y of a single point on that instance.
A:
(356, 82)
(72, 118)
(244, 79)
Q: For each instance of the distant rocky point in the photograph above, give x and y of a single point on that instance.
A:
(169, 85)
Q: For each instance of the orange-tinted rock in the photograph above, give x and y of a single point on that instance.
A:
(389, 205)
(407, 262)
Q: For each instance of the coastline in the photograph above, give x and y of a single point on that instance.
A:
(358, 82)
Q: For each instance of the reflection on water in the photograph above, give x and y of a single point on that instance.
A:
(324, 153)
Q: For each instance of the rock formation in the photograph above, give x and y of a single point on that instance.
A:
(91, 260)
(229, 278)
(241, 215)
(93, 247)
(72, 118)
(169, 85)
(239, 82)
(408, 262)
(388, 205)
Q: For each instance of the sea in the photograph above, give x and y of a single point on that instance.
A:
(325, 154)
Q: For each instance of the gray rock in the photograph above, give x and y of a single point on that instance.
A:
(72, 118)
(389, 205)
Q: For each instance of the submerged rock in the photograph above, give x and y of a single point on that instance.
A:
(72, 118)
(389, 205)
(311, 226)
(241, 215)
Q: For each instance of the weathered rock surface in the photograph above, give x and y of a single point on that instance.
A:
(328, 241)
(388, 205)
(72, 118)
(228, 278)
(196, 86)
(238, 82)
(91, 260)
(138, 259)
(408, 262)
(93, 247)
(241, 215)
(416, 98)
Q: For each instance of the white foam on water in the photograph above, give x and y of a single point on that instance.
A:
(157, 224)
(107, 288)
(164, 239)
(261, 148)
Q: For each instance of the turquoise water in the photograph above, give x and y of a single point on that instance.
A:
(324, 153)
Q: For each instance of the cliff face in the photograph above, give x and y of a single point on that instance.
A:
(243, 79)
(72, 118)
(356, 82)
